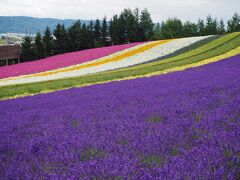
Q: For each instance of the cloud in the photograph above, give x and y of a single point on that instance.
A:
(92, 9)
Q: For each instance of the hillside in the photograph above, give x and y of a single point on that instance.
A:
(166, 109)
(18, 24)
(180, 125)
(114, 63)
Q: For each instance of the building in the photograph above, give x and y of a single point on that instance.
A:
(9, 53)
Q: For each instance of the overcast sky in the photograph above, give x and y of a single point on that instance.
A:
(92, 9)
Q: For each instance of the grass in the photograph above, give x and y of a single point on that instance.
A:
(185, 49)
(154, 119)
(151, 160)
(2, 41)
(214, 48)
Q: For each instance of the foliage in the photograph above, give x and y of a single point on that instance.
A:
(61, 44)
(48, 43)
(234, 23)
(128, 27)
(38, 47)
(27, 52)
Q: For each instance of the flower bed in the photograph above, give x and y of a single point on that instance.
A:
(60, 61)
(175, 126)
(145, 53)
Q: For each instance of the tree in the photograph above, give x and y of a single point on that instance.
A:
(27, 53)
(172, 28)
(234, 23)
(48, 42)
(190, 29)
(114, 30)
(97, 32)
(60, 34)
(146, 25)
(75, 37)
(38, 47)
(131, 25)
(157, 32)
(104, 32)
(221, 27)
(137, 20)
(200, 27)
(122, 29)
(85, 37)
(211, 26)
(90, 28)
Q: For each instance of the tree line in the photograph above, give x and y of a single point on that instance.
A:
(127, 27)
(175, 28)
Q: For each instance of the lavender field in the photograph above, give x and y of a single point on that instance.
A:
(183, 125)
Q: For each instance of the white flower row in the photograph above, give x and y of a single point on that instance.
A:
(149, 55)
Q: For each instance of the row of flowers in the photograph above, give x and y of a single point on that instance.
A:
(61, 61)
(140, 54)
(111, 58)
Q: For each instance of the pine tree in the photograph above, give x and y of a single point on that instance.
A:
(234, 23)
(75, 37)
(61, 44)
(38, 47)
(131, 26)
(48, 42)
(201, 27)
(97, 33)
(122, 29)
(27, 53)
(137, 19)
(211, 26)
(104, 32)
(85, 37)
(146, 25)
(157, 32)
(90, 28)
(172, 28)
(189, 29)
(114, 30)
(221, 27)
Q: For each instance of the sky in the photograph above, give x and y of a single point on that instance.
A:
(92, 9)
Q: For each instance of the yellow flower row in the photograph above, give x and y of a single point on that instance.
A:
(112, 59)
(179, 68)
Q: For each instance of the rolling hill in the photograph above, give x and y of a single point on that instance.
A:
(164, 109)
(21, 24)
(96, 66)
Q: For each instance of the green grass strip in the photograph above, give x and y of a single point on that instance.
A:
(217, 47)
(192, 53)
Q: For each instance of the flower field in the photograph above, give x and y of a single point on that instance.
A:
(60, 61)
(167, 109)
(143, 60)
(140, 54)
(179, 125)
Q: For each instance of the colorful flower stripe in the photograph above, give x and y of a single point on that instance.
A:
(149, 55)
(183, 125)
(60, 61)
(224, 56)
(113, 55)
(140, 49)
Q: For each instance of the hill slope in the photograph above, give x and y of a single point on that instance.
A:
(175, 126)
(195, 55)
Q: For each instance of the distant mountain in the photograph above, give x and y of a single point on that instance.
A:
(21, 24)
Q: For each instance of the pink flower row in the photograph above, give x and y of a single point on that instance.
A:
(60, 61)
